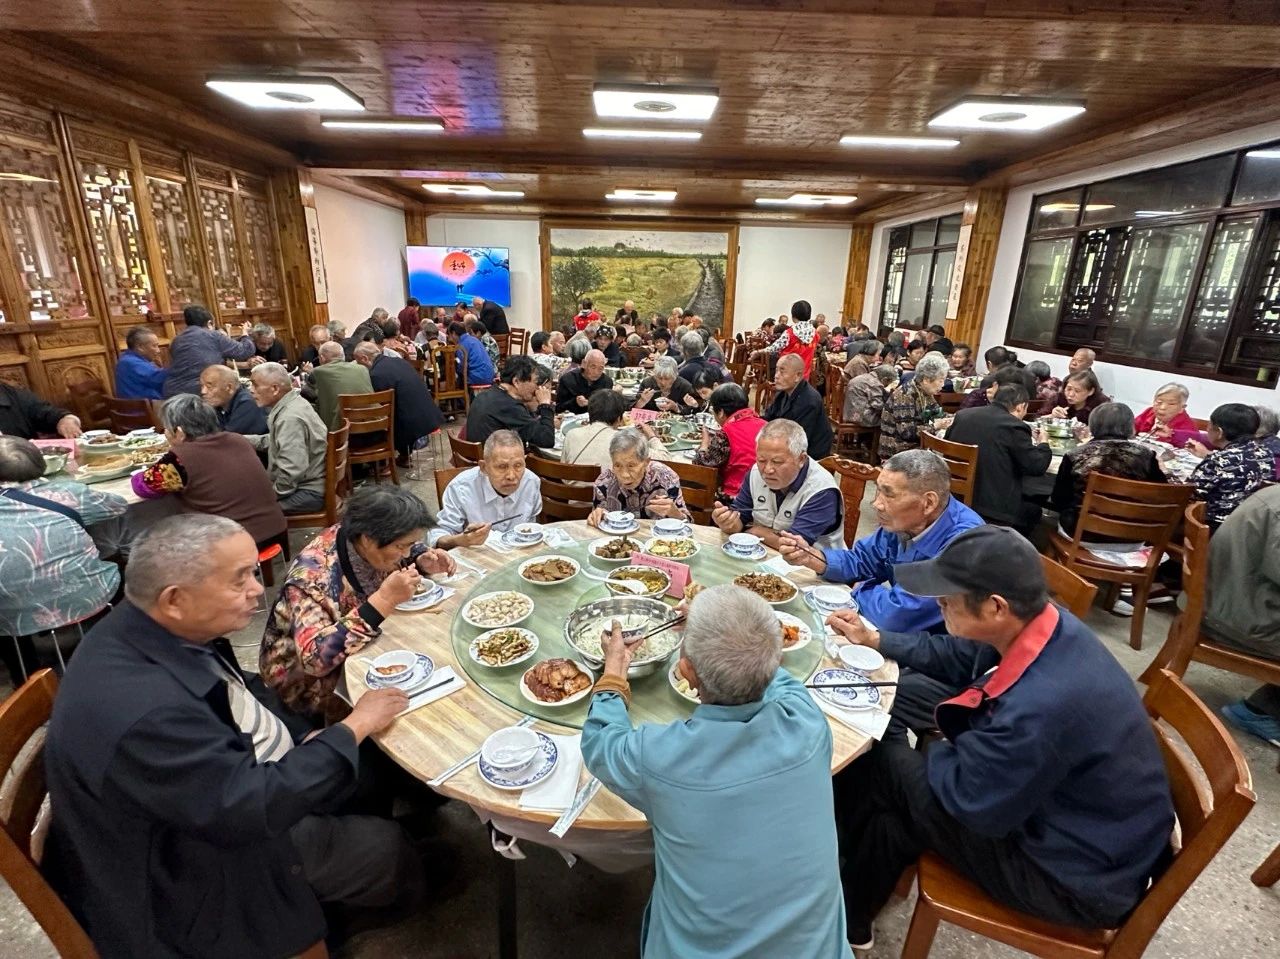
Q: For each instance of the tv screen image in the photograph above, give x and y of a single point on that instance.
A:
(443, 275)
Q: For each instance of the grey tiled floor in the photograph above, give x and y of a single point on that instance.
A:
(584, 912)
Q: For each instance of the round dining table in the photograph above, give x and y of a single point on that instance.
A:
(434, 737)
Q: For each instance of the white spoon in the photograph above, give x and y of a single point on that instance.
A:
(627, 585)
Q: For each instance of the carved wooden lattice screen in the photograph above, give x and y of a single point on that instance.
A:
(217, 219)
(262, 247)
(116, 236)
(178, 246)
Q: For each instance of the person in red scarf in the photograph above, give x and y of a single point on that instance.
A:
(799, 338)
(731, 448)
(1166, 414)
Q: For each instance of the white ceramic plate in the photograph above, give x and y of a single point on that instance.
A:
(755, 557)
(475, 645)
(596, 544)
(525, 776)
(419, 675)
(652, 541)
(468, 610)
(577, 568)
(509, 539)
(795, 590)
(527, 693)
(806, 633)
(864, 697)
(429, 598)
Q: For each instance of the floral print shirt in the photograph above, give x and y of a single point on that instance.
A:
(658, 479)
(907, 409)
(51, 571)
(319, 619)
(1227, 476)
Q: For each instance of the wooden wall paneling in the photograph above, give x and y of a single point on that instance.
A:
(292, 192)
(415, 227)
(207, 280)
(15, 356)
(984, 210)
(150, 235)
(73, 352)
(730, 282)
(549, 322)
(248, 273)
(14, 304)
(855, 277)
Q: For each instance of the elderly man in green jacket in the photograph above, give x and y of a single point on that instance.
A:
(295, 443)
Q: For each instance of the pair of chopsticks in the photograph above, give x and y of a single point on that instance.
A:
(653, 632)
(847, 685)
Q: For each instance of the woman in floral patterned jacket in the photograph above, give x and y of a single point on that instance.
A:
(339, 590)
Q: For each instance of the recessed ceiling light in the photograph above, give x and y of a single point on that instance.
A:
(471, 189)
(1006, 113)
(25, 178)
(1072, 207)
(419, 125)
(1151, 214)
(807, 199)
(911, 143)
(655, 102)
(657, 196)
(1268, 154)
(631, 134)
(288, 93)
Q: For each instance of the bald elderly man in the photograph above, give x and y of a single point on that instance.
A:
(576, 386)
(335, 376)
(221, 388)
(799, 402)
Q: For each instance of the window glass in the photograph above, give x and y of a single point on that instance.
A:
(897, 258)
(1211, 316)
(1057, 211)
(922, 233)
(1199, 185)
(1157, 279)
(915, 289)
(1044, 278)
(949, 229)
(940, 289)
(1259, 180)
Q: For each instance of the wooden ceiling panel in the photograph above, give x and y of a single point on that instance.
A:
(512, 80)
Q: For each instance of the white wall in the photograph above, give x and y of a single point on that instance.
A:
(778, 265)
(363, 254)
(519, 236)
(1128, 384)
(877, 263)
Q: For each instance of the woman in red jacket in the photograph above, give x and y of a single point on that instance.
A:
(1167, 413)
(732, 448)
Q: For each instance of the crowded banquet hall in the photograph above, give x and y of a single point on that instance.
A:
(673, 480)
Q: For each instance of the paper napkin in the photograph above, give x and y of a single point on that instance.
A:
(439, 692)
(556, 792)
(869, 722)
(780, 566)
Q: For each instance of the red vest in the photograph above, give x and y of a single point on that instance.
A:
(802, 350)
(741, 429)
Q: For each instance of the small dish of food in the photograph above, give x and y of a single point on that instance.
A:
(427, 593)
(556, 682)
(511, 748)
(493, 610)
(655, 581)
(549, 570)
(796, 633)
(770, 587)
(671, 548)
(681, 685)
(503, 647)
(614, 549)
(395, 666)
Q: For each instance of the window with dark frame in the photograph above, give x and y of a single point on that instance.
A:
(1175, 268)
(917, 275)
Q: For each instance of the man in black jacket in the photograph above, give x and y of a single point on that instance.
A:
(575, 387)
(416, 412)
(1007, 454)
(491, 314)
(238, 412)
(517, 403)
(796, 400)
(24, 414)
(190, 821)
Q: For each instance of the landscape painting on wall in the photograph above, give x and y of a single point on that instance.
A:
(656, 269)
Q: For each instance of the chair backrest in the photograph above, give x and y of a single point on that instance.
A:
(698, 484)
(634, 354)
(1210, 802)
(1195, 573)
(451, 380)
(21, 717)
(465, 453)
(1069, 589)
(566, 488)
(125, 414)
(758, 370)
(833, 401)
(519, 341)
(369, 412)
(444, 476)
(1130, 511)
(419, 364)
(504, 345)
(87, 398)
(962, 461)
(950, 402)
(1201, 425)
(853, 478)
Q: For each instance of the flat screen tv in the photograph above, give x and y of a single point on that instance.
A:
(443, 275)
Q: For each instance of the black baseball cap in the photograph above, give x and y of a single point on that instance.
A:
(985, 559)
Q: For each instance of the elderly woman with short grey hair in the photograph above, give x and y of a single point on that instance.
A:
(636, 484)
(694, 349)
(1168, 415)
(666, 391)
(339, 590)
(914, 407)
(1268, 427)
(211, 470)
(744, 780)
(1111, 450)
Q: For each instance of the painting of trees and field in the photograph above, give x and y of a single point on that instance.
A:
(655, 269)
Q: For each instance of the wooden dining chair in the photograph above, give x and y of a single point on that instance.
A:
(1129, 511)
(853, 478)
(634, 355)
(451, 377)
(125, 415)
(22, 717)
(758, 375)
(444, 476)
(1187, 642)
(1212, 793)
(519, 341)
(337, 482)
(1073, 592)
(373, 416)
(1268, 874)
(699, 485)
(465, 453)
(566, 488)
(848, 433)
(1201, 425)
(504, 346)
(962, 462)
(950, 402)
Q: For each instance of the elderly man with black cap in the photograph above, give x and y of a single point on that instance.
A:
(1048, 790)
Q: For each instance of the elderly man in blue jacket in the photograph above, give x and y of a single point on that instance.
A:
(1048, 791)
(918, 516)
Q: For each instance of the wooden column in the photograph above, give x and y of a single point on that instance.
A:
(292, 194)
(982, 220)
(196, 215)
(415, 227)
(855, 282)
